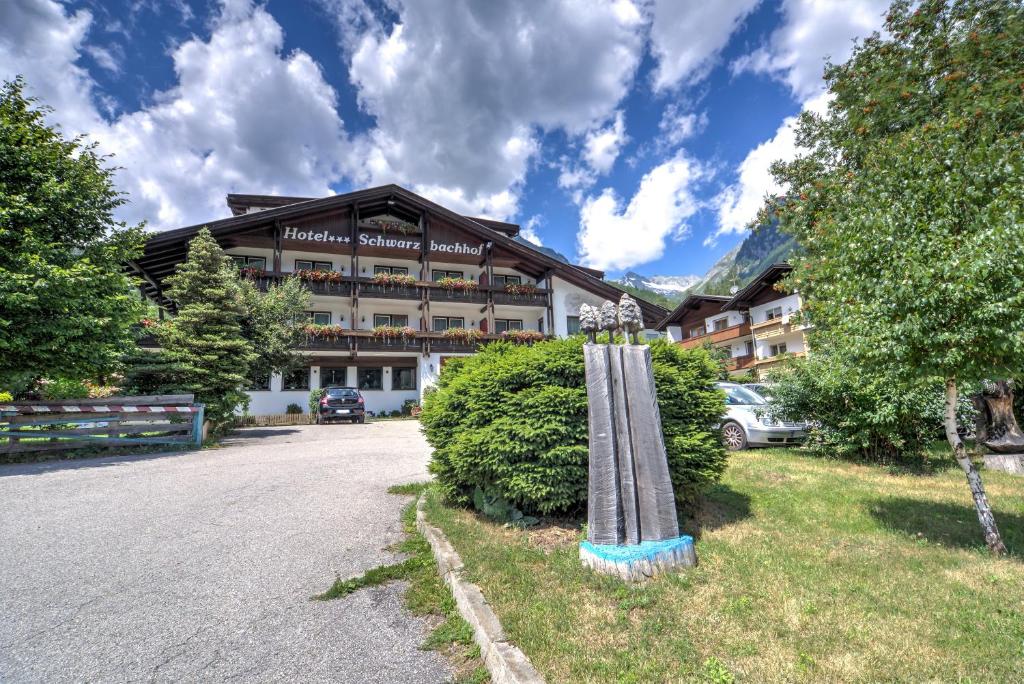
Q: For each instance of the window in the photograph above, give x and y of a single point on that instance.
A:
(698, 331)
(307, 265)
(393, 270)
(737, 395)
(442, 323)
(438, 274)
(777, 349)
(503, 324)
(572, 325)
(503, 280)
(258, 263)
(772, 314)
(370, 378)
(720, 324)
(319, 317)
(333, 377)
(403, 378)
(396, 320)
(750, 348)
(540, 324)
(259, 383)
(297, 379)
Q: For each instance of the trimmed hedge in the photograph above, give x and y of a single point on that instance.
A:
(512, 420)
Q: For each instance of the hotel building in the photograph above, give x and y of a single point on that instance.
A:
(380, 261)
(754, 327)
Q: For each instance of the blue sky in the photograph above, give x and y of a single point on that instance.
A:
(626, 134)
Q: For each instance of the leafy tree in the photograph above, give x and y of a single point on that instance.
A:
(860, 415)
(205, 338)
(909, 204)
(273, 323)
(512, 420)
(66, 307)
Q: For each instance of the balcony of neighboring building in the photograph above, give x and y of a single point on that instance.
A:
(717, 337)
(738, 364)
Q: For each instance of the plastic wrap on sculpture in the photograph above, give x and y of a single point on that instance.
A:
(632, 527)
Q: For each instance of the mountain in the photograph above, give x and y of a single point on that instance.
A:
(763, 247)
(669, 286)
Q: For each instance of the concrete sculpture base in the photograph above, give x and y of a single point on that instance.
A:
(639, 562)
(1008, 463)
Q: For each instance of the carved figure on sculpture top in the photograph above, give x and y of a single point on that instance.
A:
(631, 318)
(609, 317)
(589, 322)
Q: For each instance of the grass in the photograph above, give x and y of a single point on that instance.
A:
(426, 596)
(810, 570)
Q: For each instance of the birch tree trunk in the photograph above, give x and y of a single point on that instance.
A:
(984, 511)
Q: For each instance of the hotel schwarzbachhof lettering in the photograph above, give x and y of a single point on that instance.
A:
(367, 240)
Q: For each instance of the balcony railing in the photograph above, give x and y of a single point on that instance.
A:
(422, 341)
(344, 286)
(738, 363)
(774, 360)
(539, 298)
(717, 336)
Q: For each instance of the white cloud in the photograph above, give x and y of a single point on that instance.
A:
(739, 203)
(811, 31)
(528, 231)
(676, 125)
(459, 90)
(688, 35)
(601, 147)
(244, 116)
(613, 236)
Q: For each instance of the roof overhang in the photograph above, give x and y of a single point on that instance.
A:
(766, 279)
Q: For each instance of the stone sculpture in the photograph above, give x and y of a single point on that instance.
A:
(631, 511)
(997, 427)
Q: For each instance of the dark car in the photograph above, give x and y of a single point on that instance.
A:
(341, 403)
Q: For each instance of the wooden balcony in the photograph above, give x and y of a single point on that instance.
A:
(423, 342)
(539, 298)
(771, 361)
(717, 336)
(739, 363)
(345, 286)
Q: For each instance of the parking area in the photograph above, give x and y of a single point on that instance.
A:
(200, 566)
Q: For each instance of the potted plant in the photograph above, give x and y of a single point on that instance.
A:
(394, 332)
(394, 279)
(463, 335)
(521, 288)
(522, 336)
(458, 284)
(315, 276)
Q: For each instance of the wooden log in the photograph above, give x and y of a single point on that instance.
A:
(657, 503)
(604, 506)
(624, 450)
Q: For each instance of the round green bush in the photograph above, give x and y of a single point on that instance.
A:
(512, 420)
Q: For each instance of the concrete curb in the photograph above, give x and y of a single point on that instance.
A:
(506, 663)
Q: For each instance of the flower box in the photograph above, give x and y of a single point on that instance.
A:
(394, 332)
(395, 279)
(318, 276)
(522, 336)
(457, 284)
(464, 335)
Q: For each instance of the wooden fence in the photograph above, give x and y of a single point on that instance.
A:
(62, 425)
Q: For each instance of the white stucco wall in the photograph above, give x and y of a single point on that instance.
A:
(732, 318)
(790, 304)
(674, 333)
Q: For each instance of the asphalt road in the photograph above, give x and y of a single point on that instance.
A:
(200, 566)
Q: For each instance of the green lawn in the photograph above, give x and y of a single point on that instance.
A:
(809, 570)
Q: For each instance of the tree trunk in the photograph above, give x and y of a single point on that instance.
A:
(985, 517)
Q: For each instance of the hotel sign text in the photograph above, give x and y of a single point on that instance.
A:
(397, 242)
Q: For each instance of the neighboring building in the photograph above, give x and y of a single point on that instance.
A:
(388, 230)
(753, 327)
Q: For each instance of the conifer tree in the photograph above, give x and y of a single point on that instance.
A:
(205, 337)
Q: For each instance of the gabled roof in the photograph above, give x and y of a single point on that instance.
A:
(690, 302)
(764, 280)
(168, 246)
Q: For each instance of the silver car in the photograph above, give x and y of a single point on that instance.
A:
(746, 425)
